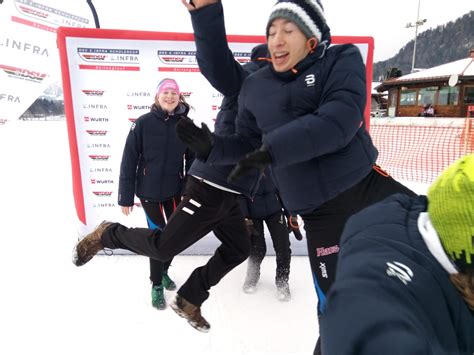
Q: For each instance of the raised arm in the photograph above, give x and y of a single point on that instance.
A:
(214, 57)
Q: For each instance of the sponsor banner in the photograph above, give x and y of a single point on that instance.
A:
(29, 60)
(109, 80)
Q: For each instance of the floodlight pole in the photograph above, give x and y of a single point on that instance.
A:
(416, 24)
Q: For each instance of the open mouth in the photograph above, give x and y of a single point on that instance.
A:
(280, 58)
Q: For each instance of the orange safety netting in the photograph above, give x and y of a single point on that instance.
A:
(421, 150)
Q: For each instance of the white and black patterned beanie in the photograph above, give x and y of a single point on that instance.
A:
(308, 15)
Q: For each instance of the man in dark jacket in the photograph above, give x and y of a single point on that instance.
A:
(305, 115)
(209, 203)
(405, 281)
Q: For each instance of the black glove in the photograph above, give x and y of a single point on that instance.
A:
(293, 226)
(251, 228)
(258, 159)
(199, 140)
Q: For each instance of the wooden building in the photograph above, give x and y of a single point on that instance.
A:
(449, 88)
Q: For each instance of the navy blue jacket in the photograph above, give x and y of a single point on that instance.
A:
(211, 41)
(313, 123)
(154, 160)
(264, 203)
(370, 310)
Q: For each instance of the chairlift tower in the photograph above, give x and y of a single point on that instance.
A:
(415, 25)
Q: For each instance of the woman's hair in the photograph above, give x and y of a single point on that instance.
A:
(464, 282)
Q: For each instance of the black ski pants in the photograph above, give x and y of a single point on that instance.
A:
(325, 225)
(157, 214)
(203, 209)
(277, 226)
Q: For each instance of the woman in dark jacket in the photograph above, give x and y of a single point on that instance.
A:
(405, 277)
(153, 166)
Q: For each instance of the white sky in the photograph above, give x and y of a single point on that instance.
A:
(382, 19)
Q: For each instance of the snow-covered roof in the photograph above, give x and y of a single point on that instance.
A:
(463, 67)
(374, 85)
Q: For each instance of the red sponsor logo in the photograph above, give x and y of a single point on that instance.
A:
(173, 59)
(94, 56)
(93, 92)
(95, 119)
(33, 24)
(138, 107)
(327, 251)
(102, 193)
(23, 73)
(99, 157)
(96, 132)
(177, 69)
(33, 12)
(108, 67)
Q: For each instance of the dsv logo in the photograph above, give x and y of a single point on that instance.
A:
(399, 270)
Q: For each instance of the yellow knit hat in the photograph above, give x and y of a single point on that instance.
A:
(451, 210)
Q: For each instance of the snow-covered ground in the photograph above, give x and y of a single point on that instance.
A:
(49, 306)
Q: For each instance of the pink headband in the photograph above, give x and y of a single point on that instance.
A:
(167, 84)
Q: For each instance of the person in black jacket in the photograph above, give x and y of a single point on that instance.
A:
(209, 203)
(303, 115)
(266, 207)
(153, 166)
(405, 279)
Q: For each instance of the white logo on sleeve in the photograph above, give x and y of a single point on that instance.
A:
(400, 270)
(310, 80)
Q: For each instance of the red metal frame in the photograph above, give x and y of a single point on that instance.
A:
(64, 32)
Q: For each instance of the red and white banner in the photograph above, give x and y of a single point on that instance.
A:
(29, 60)
(109, 80)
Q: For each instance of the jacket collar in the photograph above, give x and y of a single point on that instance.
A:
(430, 236)
(181, 110)
(302, 65)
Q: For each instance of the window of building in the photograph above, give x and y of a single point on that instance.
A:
(407, 97)
(469, 95)
(448, 95)
(427, 95)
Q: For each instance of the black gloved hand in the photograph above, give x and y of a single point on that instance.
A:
(251, 228)
(258, 159)
(199, 140)
(293, 226)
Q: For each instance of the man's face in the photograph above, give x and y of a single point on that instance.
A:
(286, 44)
